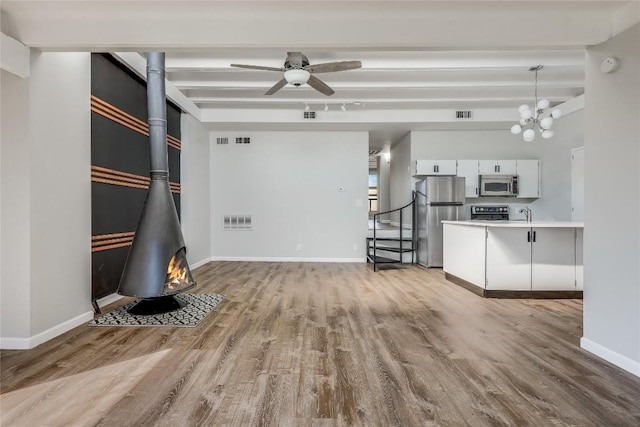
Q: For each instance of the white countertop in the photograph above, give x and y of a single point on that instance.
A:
(519, 224)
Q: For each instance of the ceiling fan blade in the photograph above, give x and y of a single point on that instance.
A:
(320, 86)
(294, 59)
(276, 87)
(334, 66)
(257, 67)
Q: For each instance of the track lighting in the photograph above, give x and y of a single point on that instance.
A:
(326, 107)
(343, 107)
(306, 106)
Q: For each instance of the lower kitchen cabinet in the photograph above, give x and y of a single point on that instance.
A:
(519, 256)
(553, 259)
(508, 259)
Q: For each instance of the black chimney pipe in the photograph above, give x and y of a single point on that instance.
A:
(158, 236)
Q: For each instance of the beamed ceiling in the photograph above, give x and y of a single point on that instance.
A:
(421, 60)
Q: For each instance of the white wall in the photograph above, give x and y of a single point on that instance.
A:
(51, 168)
(612, 180)
(288, 182)
(60, 141)
(400, 181)
(15, 208)
(554, 154)
(196, 190)
(384, 181)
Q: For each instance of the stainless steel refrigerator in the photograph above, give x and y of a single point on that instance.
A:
(438, 198)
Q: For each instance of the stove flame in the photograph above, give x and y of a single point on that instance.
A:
(177, 274)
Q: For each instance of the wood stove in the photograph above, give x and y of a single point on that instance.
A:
(156, 267)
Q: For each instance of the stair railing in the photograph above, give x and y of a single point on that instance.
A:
(376, 217)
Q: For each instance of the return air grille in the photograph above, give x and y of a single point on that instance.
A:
(309, 114)
(463, 114)
(236, 223)
(220, 141)
(243, 140)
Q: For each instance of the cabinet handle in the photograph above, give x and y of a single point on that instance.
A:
(529, 236)
(534, 236)
(435, 168)
(476, 190)
(495, 168)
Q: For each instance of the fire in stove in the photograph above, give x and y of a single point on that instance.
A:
(178, 274)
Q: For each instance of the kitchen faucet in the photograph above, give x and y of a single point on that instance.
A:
(527, 213)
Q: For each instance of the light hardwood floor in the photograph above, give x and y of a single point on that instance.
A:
(303, 344)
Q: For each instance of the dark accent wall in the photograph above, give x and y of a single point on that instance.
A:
(120, 166)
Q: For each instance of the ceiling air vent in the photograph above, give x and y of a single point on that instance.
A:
(220, 141)
(243, 140)
(463, 114)
(309, 114)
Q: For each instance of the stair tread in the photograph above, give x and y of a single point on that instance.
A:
(392, 249)
(383, 260)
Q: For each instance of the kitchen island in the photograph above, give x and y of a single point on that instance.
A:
(515, 259)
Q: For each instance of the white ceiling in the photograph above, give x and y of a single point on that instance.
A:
(419, 58)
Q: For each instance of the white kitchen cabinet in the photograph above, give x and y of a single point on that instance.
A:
(497, 167)
(508, 259)
(528, 172)
(468, 169)
(537, 259)
(553, 259)
(434, 167)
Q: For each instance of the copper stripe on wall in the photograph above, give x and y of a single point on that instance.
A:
(114, 177)
(105, 242)
(107, 110)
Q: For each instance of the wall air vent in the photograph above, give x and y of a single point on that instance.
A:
(243, 140)
(374, 152)
(463, 114)
(309, 114)
(221, 141)
(236, 222)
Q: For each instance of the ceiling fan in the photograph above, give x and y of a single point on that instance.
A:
(297, 71)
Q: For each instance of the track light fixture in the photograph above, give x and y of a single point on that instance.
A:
(343, 107)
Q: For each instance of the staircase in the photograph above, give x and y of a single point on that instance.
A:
(392, 246)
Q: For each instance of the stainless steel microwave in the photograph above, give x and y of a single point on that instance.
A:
(498, 185)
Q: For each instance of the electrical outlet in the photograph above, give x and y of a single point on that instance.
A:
(299, 247)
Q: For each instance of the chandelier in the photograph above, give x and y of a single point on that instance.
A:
(537, 117)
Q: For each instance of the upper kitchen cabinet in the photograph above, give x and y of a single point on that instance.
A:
(469, 170)
(434, 167)
(528, 172)
(497, 167)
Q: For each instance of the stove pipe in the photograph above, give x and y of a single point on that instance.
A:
(158, 236)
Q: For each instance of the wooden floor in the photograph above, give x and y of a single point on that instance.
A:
(302, 344)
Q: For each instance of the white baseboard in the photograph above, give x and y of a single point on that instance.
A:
(10, 343)
(200, 263)
(617, 359)
(285, 259)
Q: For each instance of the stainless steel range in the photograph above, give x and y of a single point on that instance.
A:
(490, 213)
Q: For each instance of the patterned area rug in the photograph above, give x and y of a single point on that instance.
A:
(197, 308)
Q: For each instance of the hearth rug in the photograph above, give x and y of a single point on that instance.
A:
(197, 308)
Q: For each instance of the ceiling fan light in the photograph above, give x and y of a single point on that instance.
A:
(297, 77)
